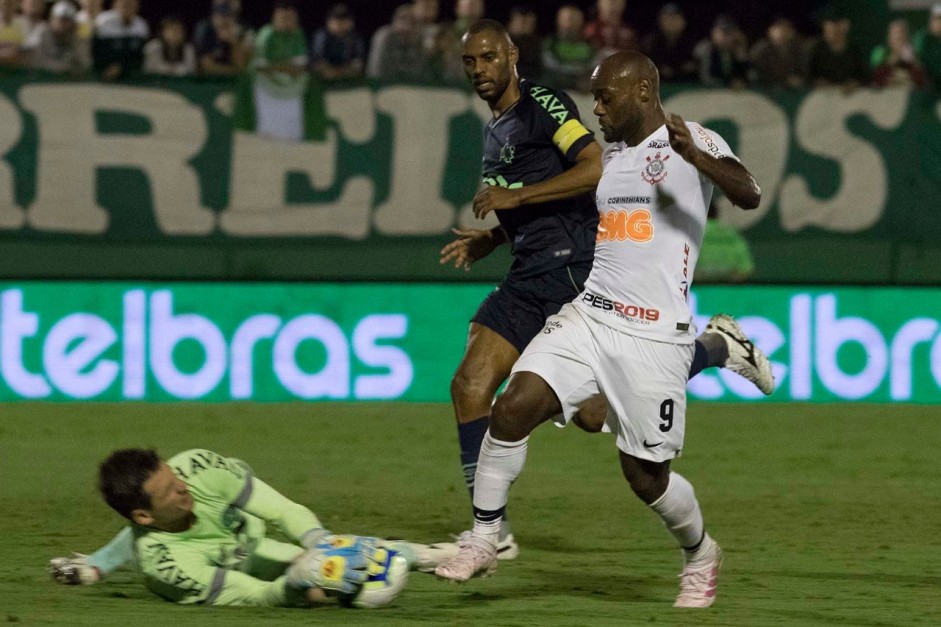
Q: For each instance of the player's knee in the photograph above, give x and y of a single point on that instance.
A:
(470, 395)
(648, 480)
(511, 418)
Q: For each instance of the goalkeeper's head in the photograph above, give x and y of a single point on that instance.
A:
(137, 484)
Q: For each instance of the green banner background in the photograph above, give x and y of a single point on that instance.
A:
(148, 180)
(284, 342)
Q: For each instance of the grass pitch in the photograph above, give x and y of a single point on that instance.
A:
(829, 515)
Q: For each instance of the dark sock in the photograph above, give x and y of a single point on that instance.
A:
(711, 350)
(471, 436)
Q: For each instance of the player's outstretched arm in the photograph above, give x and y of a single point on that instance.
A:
(734, 179)
(581, 178)
(90, 569)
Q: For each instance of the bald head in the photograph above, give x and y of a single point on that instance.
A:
(626, 88)
(627, 68)
(489, 27)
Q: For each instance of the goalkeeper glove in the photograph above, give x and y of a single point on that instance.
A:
(73, 571)
(341, 570)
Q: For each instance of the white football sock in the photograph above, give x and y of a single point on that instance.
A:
(498, 466)
(679, 510)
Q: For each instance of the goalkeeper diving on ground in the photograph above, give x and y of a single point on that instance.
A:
(198, 536)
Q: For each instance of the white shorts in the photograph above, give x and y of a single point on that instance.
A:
(643, 380)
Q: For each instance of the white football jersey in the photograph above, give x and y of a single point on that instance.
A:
(652, 205)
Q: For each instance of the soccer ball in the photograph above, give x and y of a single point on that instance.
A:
(387, 578)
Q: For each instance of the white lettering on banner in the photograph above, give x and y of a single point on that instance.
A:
(71, 346)
(394, 383)
(11, 128)
(135, 344)
(816, 335)
(258, 206)
(415, 205)
(832, 333)
(333, 380)
(166, 331)
(354, 113)
(242, 367)
(15, 326)
(71, 150)
(913, 332)
(763, 140)
(820, 129)
(801, 368)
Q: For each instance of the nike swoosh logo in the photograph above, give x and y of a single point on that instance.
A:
(652, 445)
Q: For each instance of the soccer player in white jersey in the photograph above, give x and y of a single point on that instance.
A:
(629, 335)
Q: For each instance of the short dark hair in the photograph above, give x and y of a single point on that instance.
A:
(121, 479)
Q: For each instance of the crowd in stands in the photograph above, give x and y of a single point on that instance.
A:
(79, 36)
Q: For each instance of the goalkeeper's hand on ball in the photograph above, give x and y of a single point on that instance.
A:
(341, 570)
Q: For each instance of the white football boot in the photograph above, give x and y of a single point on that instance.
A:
(745, 358)
(422, 557)
(698, 580)
(476, 557)
(507, 548)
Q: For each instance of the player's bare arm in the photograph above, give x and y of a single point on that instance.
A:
(581, 178)
(735, 181)
(472, 245)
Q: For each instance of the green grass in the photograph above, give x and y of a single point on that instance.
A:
(829, 515)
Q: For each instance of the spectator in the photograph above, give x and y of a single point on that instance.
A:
(35, 13)
(281, 78)
(397, 51)
(671, 47)
(567, 58)
(522, 29)
(608, 33)
(446, 52)
(928, 45)
(426, 13)
(337, 50)
(466, 12)
(86, 17)
(118, 43)
(170, 54)
(56, 46)
(894, 63)
(725, 256)
(223, 45)
(777, 60)
(723, 58)
(13, 31)
(834, 59)
(445, 62)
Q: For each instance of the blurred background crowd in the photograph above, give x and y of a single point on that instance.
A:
(421, 42)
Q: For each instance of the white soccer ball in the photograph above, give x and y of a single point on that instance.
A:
(387, 579)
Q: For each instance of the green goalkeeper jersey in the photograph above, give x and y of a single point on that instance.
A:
(224, 558)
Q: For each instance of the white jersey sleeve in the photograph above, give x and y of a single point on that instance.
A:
(709, 141)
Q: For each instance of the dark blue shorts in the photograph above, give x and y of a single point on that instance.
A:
(517, 309)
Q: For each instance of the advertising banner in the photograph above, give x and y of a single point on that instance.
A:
(288, 342)
(149, 179)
